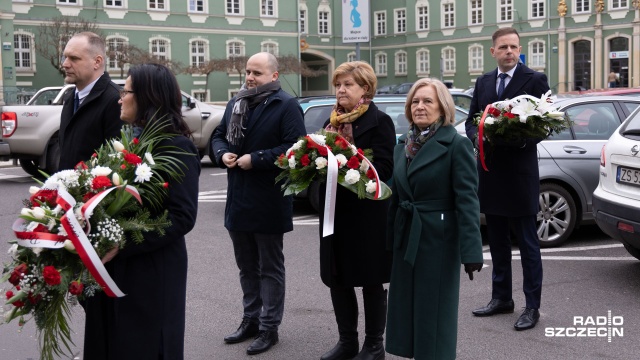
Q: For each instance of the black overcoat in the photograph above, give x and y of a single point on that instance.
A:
(512, 185)
(97, 120)
(356, 254)
(150, 319)
(254, 201)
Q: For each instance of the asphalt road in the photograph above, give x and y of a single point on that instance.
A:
(583, 280)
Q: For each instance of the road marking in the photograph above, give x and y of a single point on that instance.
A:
(213, 196)
(515, 255)
(218, 174)
(306, 220)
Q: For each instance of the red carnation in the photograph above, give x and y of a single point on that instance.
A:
(17, 274)
(100, 182)
(353, 163)
(81, 166)
(510, 115)
(9, 294)
(75, 288)
(132, 159)
(371, 174)
(44, 196)
(94, 155)
(136, 141)
(304, 160)
(51, 275)
(342, 143)
(281, 159)
(322, 151)
(494, 112)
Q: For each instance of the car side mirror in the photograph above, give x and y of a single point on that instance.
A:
(191, 102)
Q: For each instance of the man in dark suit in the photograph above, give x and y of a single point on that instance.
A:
(90, 113)
(509, 190)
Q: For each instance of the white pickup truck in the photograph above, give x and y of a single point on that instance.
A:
(30, 132)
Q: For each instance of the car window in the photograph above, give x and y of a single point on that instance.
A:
(462, 101)
(593, 121)
(630, 106)
(46, 97)
(315, 117)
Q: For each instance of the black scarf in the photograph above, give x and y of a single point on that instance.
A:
(417, 138)
(247, 98)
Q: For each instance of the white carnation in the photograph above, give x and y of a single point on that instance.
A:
(100, 171)
(321, 163)
(489, 120)
(371, 187)
(364, 166)
(342, 160)
(292, 162)
(352, 176)
(297, 145)
(143, 173)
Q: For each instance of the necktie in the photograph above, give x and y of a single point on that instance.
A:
(76, 103)
(501, 84)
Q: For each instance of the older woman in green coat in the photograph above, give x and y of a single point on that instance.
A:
(434, 227)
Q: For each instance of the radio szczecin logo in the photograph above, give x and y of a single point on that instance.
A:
(590, 326)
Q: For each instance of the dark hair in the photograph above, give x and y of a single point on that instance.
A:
(158, 96)
(502, 32)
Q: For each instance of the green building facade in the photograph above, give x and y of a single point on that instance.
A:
(577, 43)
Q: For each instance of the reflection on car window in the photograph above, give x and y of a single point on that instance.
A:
(46, 97)
(631, 106)
(595, 121)
(462, 101)
(315, 117)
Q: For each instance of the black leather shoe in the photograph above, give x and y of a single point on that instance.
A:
(246, 330)
(528, 319)
(495, 306)
(344, 349)
(263, 342)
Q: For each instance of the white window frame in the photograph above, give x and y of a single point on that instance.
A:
(423, 64)
(448, 62)
(241, 46)
(166, 55)
(204, 54)
(192, 7)
(195, 93)
(541, 57)
(541, 6)
(327, 22)
(380, 24)
(505, 7)
(165, 5)
(351, 56)
(237, 7)
(381, 63)
(419, 17)
(274, 8)
(400, 21)
(476, 58)
(475, 11)
(303, 19)
(123, 4)
(617, 4)
(401, 63)
(581, 6)
(448, 13)
(69, 2)
(112, 65)
(267, 44)
(30, 50)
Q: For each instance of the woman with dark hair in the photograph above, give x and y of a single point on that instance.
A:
(148, 323)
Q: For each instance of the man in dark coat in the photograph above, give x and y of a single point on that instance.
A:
(509, 190)
(258, 125)
(90, 114)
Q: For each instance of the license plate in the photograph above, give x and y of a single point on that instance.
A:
(628, 176)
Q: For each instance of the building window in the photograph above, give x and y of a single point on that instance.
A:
(401, 63)
(196, 6)
(157, 5)
(201, 95)
(536, 60)
(115, 52)
(619, 4)
(235, 49)
(267, 8)
(160, 49)
(582, 6)
(401, 21)
(422, 17)
(475, 58)
(68, 2)
(351, 56)
(449, 59)
(323, 22)
(506, 10)
(233, 7)
(23, 51)
(422, 62)
(537, 9)
(198, 53)
(270, 47)
(448, 15)
(476, 12)
(381, 64)
(113, 3)
(381, 22)
(303, 21)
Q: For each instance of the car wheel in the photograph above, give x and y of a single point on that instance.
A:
(557, 216)
(313, 193)
(30, 166)
(633, 251)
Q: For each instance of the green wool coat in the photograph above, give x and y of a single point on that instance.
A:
(434, 227)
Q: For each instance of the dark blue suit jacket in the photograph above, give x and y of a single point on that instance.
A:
(512, 185)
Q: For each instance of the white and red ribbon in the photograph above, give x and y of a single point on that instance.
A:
(36, 239)
(330, 194)
(481, 136)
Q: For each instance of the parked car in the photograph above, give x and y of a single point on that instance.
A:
(385, 89)
(601, 92)
(569, 163)
(401, 89)
(616, 200)
(31, 131)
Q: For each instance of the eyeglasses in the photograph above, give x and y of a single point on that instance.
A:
(124, 93)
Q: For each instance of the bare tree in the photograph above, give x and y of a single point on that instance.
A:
(122, 54)
(290, 64)
(54, 35)
(234, 64)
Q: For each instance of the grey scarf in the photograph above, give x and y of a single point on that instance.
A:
(246, 99)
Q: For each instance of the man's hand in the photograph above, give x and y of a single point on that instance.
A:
(244, 162)
(229, 159)
(470, 268)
